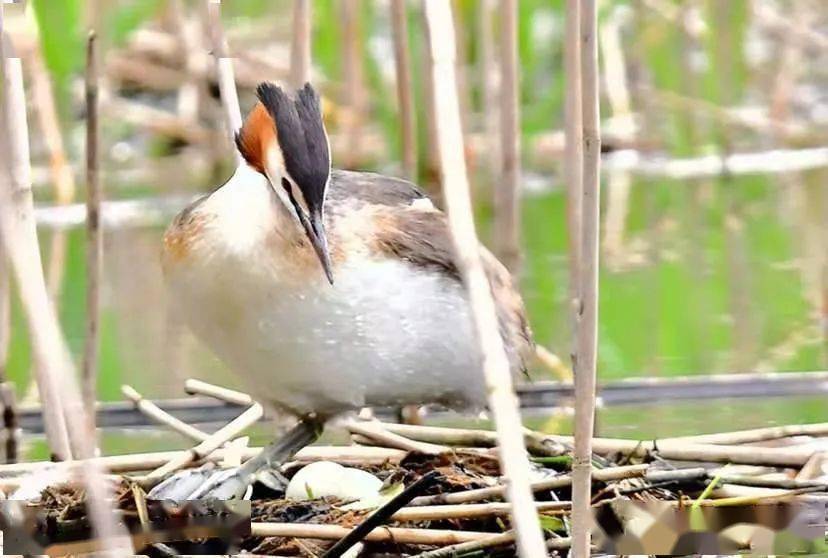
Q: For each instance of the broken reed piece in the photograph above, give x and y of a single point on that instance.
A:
(756, 434)
(375, 431)
(475, 495)
(553, 363)
(467, 511)
(536, 443)
(380, 534)
(208, 446)
(199, 387)
(499, 539)
(161, 416)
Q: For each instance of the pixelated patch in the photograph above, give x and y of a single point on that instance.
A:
(672, 529)
(28, 530)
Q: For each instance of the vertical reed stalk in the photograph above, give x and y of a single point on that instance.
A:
(402, 64)
(224, 72)
(63, 410)
(431, 156)
(188, 31)
(352, 68)
(19, 236)
(615, 73)
(94, 238)
(587, 351)
(489, 84)
(59, 167)
(5, 306)
(507, 193)
(300, 46)
(573, 156)
(502, 399)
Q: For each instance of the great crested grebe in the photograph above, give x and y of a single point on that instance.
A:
(329, 290)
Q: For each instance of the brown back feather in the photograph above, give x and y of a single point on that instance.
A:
(423, 239)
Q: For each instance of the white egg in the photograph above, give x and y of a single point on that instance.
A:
(324, 479)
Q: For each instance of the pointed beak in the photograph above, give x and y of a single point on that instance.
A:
(315, 229)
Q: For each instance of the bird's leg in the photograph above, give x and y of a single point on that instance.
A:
(275, 454)
(233, 484)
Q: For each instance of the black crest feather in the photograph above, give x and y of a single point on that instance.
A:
(302, 137)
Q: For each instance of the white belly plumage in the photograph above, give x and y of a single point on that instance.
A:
(385, 334)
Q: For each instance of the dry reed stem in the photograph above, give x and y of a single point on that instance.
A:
(402, 65)
(573, 154)
(5, 307)
(224, 71)
(94, 238)
(300, 46)
(209, 445)
(561, 481)
(468, 511)
(553, 363)
(376, 432)
(499, 539)
(497, 374)
(159, 415)
(756, 435)
(354, 89)
(618, 92)
(60, 170)
(199, 387)
(587, 347)
(380, 534)
(159, 121)
(350, 455)
(535, 442)
(60, 393)
(431, 156)
(489, 83)
(687, 451)
(189, 45)
(507, 192)
(19, 237)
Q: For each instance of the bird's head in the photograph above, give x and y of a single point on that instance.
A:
(284, 138)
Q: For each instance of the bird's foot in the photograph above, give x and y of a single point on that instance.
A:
(234, 484)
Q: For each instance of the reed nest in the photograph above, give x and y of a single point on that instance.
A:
(450, 488)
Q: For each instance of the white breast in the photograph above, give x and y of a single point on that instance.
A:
(386, 333)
